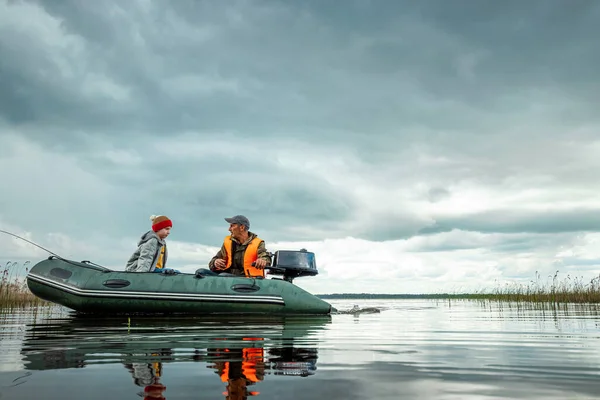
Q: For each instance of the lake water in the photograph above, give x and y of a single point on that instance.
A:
(412, 349)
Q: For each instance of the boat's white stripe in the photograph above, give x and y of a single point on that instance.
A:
(156, 295)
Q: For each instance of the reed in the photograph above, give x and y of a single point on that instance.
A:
(14, 292)
(553, 290)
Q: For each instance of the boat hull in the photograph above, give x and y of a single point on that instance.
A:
(92, 289)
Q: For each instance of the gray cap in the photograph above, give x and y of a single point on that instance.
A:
(239, 219)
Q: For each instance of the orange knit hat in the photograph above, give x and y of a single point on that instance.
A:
(159, 222)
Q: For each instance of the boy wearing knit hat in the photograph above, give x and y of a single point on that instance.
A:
(151, 254)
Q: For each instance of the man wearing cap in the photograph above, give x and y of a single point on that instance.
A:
(240, 250)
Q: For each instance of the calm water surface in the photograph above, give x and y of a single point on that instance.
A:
(412, 349)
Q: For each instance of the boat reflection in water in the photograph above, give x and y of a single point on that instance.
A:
(241, 351)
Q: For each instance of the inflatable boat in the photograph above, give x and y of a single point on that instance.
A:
(90, 288)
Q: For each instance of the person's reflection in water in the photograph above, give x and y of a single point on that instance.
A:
(241, 368)
(154, 392)
(147, 375)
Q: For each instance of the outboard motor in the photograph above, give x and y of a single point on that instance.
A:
(293, 264)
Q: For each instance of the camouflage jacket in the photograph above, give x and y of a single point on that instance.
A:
(237, 266)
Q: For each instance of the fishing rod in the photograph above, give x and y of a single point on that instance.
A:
(30, 242)
(46, 250)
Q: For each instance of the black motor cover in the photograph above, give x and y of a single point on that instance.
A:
(293, 264)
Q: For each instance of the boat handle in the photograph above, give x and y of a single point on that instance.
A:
(116, 283)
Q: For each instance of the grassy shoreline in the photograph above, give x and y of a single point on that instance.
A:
(568, 290)
(14, 292)
(18, 296)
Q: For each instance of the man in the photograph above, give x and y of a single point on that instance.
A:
(240, 250)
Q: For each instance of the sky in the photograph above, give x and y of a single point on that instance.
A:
(415, 147)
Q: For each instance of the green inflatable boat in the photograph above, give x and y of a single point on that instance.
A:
(90, 288)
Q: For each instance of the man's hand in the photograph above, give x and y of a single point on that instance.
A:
(260, 263)
(220, 263)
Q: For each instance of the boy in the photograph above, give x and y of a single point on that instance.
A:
(151, 254)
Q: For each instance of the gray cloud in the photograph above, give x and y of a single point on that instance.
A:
(379, 122)
(436, 194)
(514, 221)
(260, 68)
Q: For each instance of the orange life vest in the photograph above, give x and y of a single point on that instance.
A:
(250, 255)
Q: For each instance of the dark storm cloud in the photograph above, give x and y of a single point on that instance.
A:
(263, 68)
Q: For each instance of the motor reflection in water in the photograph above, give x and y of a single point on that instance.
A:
(241, 353)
